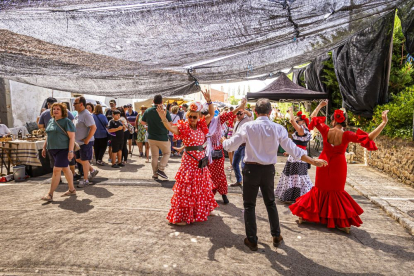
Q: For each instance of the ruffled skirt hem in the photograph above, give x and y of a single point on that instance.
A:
(333, 208)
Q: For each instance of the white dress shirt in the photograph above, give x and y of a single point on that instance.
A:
(262, 138)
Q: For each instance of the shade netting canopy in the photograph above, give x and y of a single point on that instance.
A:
(144, 47)
(284, 89)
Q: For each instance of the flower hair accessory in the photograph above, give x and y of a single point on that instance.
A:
(299, 114)
(339, 116)
(196, 106)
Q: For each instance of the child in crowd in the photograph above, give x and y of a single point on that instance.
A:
(116, 126)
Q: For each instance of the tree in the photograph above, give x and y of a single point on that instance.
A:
(233, 100)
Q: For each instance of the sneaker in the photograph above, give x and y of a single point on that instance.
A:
(76, 177)
(93, 174)
(83, 183)
(115, 166)
(162, 174)
(121, 165)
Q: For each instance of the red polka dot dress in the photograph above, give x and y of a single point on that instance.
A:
(193, 199)
(217, 166)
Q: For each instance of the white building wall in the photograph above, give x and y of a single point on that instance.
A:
(27, 100)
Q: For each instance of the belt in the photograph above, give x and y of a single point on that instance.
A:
(243, 145)
(255, 163)
(199, 148)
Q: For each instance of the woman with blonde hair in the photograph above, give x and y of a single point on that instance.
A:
(193, 199)
(60, 145)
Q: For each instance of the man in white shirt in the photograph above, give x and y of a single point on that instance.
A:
(262, 138)
(243, 116)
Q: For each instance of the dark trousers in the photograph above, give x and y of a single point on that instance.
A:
(255, 177)
(100, 147)
(124, 147)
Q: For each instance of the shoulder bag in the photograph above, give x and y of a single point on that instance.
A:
(76, 146)
(105, 127)
(203, 162)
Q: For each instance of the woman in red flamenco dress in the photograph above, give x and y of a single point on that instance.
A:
(193, 199)
(327, 202)
(216, 165)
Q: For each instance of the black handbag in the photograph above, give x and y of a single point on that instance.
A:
(217, 154)
(203, 162)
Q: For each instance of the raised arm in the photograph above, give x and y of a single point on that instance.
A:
(240, 107)
(163, 115)
(378, 130)
(318, 108)
(207, 97)
(297, 127)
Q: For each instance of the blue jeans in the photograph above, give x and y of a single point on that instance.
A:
(172, 143)
(237, 157)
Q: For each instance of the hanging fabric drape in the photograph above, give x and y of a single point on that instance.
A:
(141, 48)
(362, 67)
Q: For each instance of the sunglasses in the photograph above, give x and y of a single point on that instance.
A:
(193, 117)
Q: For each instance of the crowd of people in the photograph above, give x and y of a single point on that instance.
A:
(201, 135)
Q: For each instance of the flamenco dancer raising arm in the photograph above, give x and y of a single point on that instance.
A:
(193, 199)
(334, 206)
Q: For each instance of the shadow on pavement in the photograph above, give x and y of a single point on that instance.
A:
(98, 192)
(73, 204)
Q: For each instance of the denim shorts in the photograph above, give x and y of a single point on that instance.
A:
(85, 152)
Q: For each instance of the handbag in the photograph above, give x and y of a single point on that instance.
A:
(203, 162)
(217, 154)
(76, 146)
(105, 127)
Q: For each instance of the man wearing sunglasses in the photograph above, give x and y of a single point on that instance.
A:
(242, 116)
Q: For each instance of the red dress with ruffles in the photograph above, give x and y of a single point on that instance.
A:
(327, 202)
(217, 166)
(193, 199)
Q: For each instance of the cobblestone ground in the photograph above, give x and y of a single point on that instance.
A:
(118, 227)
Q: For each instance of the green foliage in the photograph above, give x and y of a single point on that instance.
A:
(402, 73)
(332, 85)
(400, 116)
(233, 100)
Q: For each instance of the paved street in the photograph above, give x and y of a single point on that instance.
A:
(118, 227)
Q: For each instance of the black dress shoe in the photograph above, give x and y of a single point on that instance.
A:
(252, 246)
(225, 199)
(237, 184)
(277, 241)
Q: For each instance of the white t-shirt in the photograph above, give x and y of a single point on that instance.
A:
(4, 130)
(174, 119)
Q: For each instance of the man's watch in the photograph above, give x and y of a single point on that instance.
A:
(71, 151)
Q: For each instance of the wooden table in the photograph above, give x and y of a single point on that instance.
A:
(20, 152)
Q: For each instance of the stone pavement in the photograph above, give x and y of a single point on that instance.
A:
(394, 197)
(118, 227)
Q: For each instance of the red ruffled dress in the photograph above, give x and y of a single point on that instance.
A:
(327, 202)
(193, 199)
(217, 166)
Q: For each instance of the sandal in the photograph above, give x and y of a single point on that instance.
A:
(48, 198)
(69, 193)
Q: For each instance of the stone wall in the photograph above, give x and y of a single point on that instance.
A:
(394, 157)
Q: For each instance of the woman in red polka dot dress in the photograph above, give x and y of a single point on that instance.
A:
(216, 165)
(193, 199)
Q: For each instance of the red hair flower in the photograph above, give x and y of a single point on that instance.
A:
(193, 107)
(303, 117)
(299, 114)
(339, 116)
